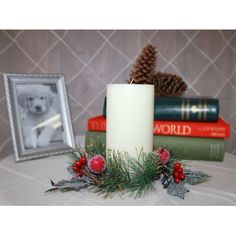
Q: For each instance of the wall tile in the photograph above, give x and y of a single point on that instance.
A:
(19, 62)
(7, 149)
(228, 34)
(171, 69)
(5, 58)
(85, 43)
(169, 42)
(75, 107)
(227, 61)
(209, 82)
(191, 63)
(191, 92)
(81, 123)
(36, 42)
(232, 121)
(2, 90)
(227, 98)
(13, 33)
(108, 63)
(190, 33)
(61, 60)
(4, 41)
(97, 106)
(106, 33)
(230, 144)
(233, 42)
(5, 133)
(89, 87)
(161, 63)
(124, 75)
(3, 111)
(233, 79)
(60, 33)
(210, 42)
(127, 42)
(149, 33)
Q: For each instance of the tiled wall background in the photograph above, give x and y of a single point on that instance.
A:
(91, 59)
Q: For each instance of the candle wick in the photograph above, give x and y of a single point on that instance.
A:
(131, 81)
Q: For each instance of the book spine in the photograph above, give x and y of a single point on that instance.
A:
(184, 109)
(175, 128)
(192, 129)
(97, 124)
(207, 149)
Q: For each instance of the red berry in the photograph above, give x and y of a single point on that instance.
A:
(83, 160)
(75, 168)
(177, 180)
(79, 164)
(97, 164)
(79, 174)
(182, 176)
(177, 165)
(180, 170)
(175, 174)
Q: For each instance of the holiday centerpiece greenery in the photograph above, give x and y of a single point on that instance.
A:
(116, 172)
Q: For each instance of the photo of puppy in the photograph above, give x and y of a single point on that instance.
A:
(39, 114)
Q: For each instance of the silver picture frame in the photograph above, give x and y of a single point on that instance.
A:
(30, 98)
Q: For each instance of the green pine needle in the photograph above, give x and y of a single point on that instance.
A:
(127, 174)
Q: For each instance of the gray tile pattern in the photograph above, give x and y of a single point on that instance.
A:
(90, 59)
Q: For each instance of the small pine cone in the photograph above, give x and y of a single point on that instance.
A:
(169, 85)
(144, 67)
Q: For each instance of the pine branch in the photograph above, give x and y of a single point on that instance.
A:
(76, 184)
(195, 177)
(125, 173)
(73, 156)
(133, 175)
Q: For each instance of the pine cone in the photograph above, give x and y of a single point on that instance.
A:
(169, 85)
(144, 68)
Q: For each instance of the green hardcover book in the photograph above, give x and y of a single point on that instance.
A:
(207, 149)
(184, 109)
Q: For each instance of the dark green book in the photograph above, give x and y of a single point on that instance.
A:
(184, 109)
(207, 149)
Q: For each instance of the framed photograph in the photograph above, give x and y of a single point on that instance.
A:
(39, 115)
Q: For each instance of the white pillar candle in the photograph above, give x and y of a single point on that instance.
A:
(130, 112)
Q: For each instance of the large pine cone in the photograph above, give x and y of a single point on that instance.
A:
(144, 68)
(169, 85)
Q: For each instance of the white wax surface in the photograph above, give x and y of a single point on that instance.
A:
(130, 112)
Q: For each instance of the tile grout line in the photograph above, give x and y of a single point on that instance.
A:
(75, 100)
(25, 53)
(4, 143)
(11, 43)
(171, 64)
(4, 120)
(212, 61)
(113, 46)
(85, 65)
(189, 40)
(100, 93)
(44, 55)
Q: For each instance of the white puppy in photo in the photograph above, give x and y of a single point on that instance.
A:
(37, 114)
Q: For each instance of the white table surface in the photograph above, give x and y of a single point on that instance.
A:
(24, 183)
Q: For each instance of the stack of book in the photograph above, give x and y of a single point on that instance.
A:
(190, 125)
